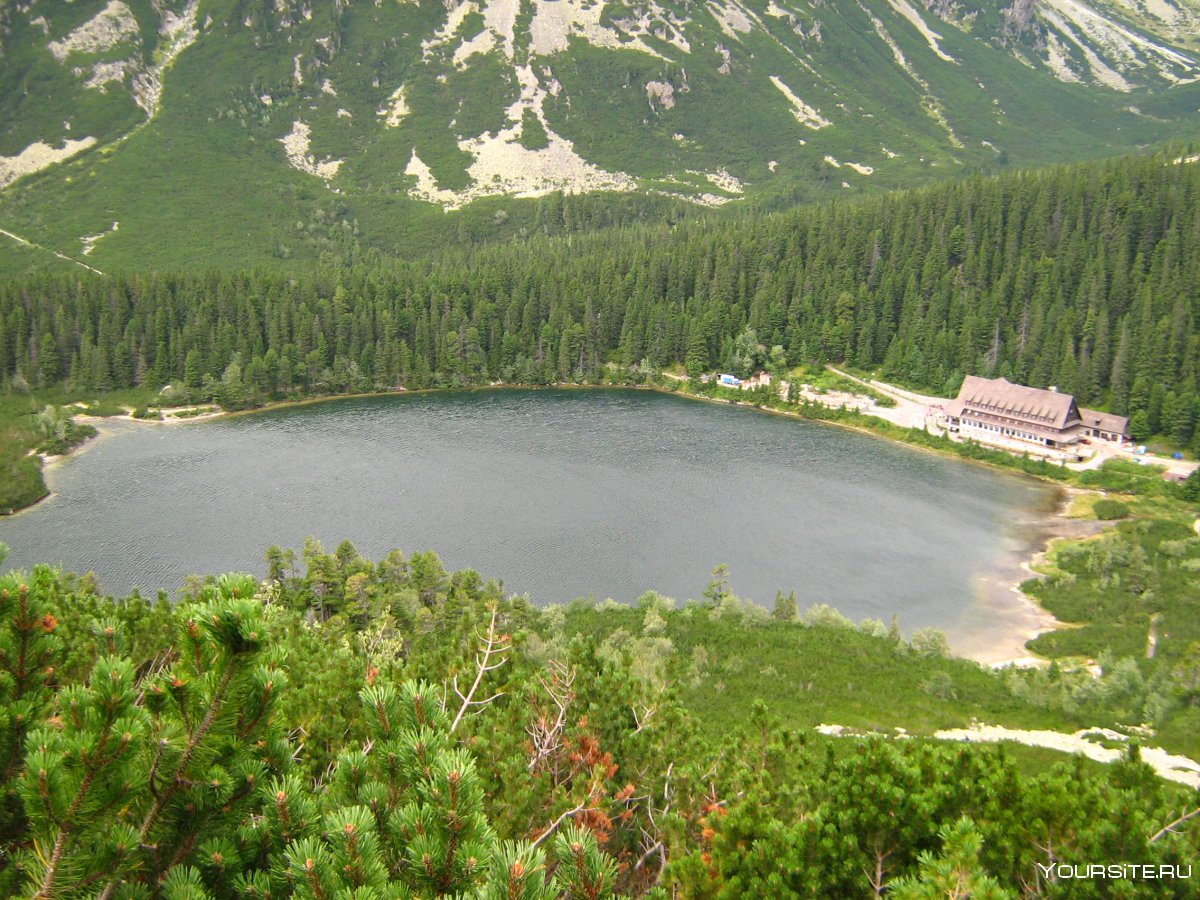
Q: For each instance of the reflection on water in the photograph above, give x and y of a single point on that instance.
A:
(560, 493)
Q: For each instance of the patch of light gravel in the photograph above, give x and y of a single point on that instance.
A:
(731, 18)
(449, 28)
(555, 23)
(398, 108)
(806, 115)
(1180, 769)
(296, 146)
(38, 156)
(105, 30)
(176, 34)
(932, 38)
(930, 103)
(503, 166)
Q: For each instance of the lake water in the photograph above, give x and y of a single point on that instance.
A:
(558, 493)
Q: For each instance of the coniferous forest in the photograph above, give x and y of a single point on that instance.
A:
(361, 730)
(1082, 277)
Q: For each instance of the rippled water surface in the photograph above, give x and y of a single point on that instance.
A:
(558, 493)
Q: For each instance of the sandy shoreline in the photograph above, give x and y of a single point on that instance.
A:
(104, 429)
(1013, 617)
(1005, 617)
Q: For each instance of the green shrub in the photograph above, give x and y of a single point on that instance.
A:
(1108, 510)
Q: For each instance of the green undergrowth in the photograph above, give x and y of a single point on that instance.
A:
(813, 674)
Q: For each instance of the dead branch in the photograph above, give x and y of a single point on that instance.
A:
(490, 657)
(643, 719)
(545, 736)
(1170, 827)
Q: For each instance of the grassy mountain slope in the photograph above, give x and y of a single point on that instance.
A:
(138, 133)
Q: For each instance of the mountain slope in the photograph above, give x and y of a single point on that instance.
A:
(148, 132)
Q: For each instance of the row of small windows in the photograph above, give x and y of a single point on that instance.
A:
(1006, 432)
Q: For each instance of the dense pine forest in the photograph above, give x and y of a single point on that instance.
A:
(365, 730)
(1081, 277)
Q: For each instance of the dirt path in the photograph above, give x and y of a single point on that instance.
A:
(911, 410)
(1089, 742)
(63, 256)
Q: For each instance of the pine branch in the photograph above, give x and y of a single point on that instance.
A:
(160, 801)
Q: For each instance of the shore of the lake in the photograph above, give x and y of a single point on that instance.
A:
(1008, 618)
(1018, 617)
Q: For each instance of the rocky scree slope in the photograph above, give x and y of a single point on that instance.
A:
(162, 132)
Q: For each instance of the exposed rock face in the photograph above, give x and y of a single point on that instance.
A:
(1021, 17)
(107, 29)
(530, 94)
(661, 95)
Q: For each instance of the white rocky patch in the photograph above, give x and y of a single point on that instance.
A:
(1180, 769)
(297, 72)
(731, 18)
(105, 73)
(503, 166)
(328, 89)
(344, 114)
(449, 28)
(1101, 72)
(296, 145)
(890, 154)
(704, 199)
(931, 104)
(708, 199)
(723, 180)
(394, 114)
(555, 23)
(176, 34)
(89, 241)
(723, 52)
(806, 115)
(481, 44)
(501, 17)
(1059, 61)
(38, 156)
(1104, 41)
(772, 165)
(905, 9)
(660, 94)
(111, 26)
(40, 22)
(652, 19)
(857, 167)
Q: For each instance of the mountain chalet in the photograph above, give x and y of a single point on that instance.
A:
(997, 412)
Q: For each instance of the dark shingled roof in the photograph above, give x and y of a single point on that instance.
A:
(1103, 421)
(1001, 397)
